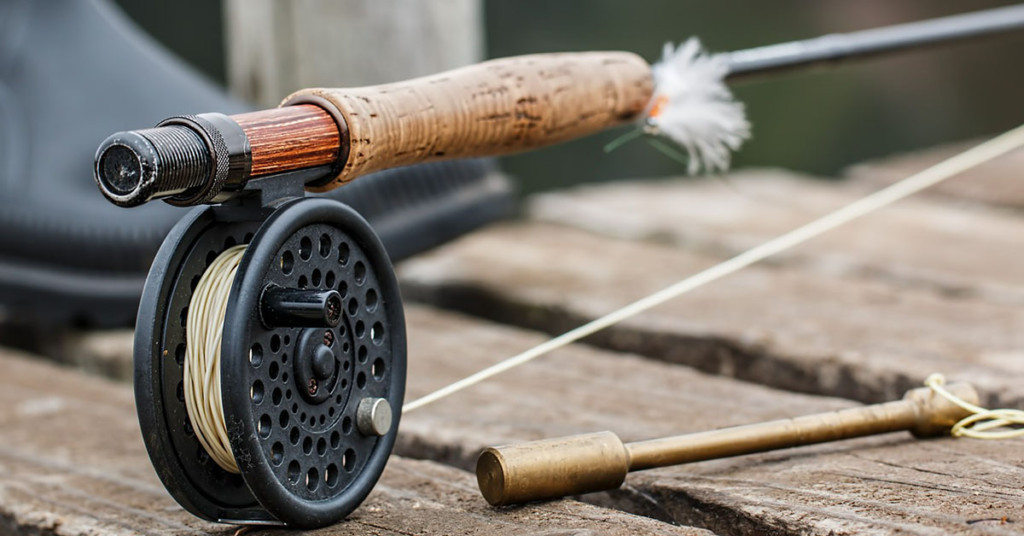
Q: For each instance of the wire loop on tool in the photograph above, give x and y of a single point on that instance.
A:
(204, 331)
(983, 423)
(989, 150)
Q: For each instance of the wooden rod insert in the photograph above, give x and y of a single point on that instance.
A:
(289, 138)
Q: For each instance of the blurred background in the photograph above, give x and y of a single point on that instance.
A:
(818, 122)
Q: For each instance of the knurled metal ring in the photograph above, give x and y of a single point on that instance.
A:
(231, 165)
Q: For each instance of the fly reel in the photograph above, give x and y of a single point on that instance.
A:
(312, 361)
(269, 378)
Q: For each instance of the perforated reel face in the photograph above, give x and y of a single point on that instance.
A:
(292, 394)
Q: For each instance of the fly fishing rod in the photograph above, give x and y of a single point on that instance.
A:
(270, 350)
(493, 108)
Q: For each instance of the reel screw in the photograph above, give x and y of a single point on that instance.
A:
(373, 416)
(328, 338)
(316, 366)
(333, 313)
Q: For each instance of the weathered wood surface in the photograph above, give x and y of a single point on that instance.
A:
(889, 484)
(575, 390)
(100, 479)
(72, 463)
(919, 242)
(789, 328)
(996, 183)
(106, 353)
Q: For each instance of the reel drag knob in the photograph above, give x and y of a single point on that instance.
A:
(312, 364)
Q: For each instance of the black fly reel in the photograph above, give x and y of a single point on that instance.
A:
(313, 363)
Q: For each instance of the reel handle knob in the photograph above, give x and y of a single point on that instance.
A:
(293, 307)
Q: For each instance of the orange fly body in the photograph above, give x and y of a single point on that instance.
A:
(658, 106)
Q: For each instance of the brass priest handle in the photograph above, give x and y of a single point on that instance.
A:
(553, 468)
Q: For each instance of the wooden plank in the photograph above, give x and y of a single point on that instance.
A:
(954, 249)
(72, 463)
(885, 485)
(995, 183)
(574, 390)
(105, 353)
(893, 485)
(276, 47)
(789, 328)
(890, 484)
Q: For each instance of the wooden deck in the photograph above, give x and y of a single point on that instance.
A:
(935, 284)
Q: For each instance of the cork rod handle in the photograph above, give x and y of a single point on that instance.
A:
(492, 108)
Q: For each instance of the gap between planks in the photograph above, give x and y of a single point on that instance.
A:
(788, 328)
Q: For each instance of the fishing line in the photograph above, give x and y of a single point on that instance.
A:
(982, 423)
(204, 330)
(946, 169)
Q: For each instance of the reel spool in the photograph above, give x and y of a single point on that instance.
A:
(313, 361)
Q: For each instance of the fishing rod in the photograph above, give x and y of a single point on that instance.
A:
(270, 344)
(521, 103)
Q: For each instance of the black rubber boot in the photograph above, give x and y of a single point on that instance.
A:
(73, 72)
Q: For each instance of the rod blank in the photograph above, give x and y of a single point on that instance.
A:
(835, 48)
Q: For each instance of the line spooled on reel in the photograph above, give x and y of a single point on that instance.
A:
(270, 346)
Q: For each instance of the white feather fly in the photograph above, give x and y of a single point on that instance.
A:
(693, 107)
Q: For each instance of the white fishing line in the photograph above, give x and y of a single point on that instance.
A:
(204, 328)
(982, 423)
(946, 169)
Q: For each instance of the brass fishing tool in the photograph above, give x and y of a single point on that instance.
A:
(554, 468)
